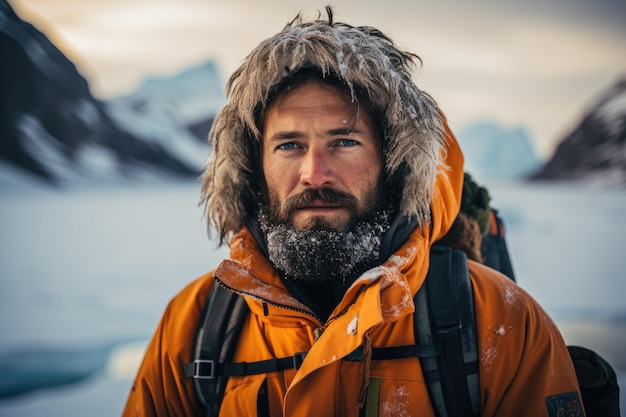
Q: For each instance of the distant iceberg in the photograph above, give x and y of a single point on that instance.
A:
(492, 151)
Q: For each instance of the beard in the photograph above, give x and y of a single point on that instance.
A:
(324, 249)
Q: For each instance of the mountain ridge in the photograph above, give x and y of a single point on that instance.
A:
(47, 111)
(595, 150)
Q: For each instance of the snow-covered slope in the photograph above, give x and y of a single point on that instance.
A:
(174, 112)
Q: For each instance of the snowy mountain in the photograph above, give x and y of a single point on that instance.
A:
(493, 151)
(174, 112)
(595, 151)
(53, 129)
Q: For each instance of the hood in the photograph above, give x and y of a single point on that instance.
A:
(362, 58)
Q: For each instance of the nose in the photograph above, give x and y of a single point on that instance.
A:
(317, 169)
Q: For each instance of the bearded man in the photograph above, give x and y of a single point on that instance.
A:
(331, 176)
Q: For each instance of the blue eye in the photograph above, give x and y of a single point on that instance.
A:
(287, 146)
(347, 142)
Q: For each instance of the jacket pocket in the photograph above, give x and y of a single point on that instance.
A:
(388, 397)
(249, 398)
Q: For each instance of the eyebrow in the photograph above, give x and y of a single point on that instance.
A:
(341, 131)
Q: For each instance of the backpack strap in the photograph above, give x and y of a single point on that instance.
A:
(224, 315)
(494, 249)
(444, 314)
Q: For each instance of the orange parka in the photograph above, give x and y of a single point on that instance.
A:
(523, 361)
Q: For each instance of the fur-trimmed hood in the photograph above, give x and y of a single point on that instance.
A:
(361, 57)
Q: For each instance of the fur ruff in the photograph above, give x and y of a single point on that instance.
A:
(359, 56)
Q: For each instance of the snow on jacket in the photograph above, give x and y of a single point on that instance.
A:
(522, 356)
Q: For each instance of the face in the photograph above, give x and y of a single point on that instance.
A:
(322, 160)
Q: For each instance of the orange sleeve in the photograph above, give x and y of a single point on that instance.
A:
(525, 367)
(160, 387)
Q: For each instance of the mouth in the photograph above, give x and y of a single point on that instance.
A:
(324, 203)
(319, 206)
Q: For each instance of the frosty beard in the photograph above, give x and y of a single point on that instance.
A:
(322, 252)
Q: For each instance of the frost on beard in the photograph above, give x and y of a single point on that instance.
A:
(319, 255)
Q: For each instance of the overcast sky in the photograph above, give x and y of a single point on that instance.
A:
(529, 63)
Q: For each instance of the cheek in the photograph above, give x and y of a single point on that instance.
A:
(279, 179)
(367, 184)
(364, 174)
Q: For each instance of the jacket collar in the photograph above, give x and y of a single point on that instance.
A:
(249, 273)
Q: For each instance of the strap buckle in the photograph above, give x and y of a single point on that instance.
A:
(448, 324)
(297, 359)
(203, 369)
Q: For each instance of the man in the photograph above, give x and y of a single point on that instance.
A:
(331, 176)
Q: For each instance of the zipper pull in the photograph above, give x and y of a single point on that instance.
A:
(318, 332)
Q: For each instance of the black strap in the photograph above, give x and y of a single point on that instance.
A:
(218, 334)
(494, 250)
(210, 369)
(397, 352)
(450, 304)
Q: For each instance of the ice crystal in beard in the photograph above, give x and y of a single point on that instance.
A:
(321, 254)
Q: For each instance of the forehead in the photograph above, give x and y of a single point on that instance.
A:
(310, 92)
(315, 98)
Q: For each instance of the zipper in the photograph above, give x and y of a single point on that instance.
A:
(272, 303)
(318, 331)
(345, 310)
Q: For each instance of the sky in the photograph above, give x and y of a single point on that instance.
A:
(529, 63)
